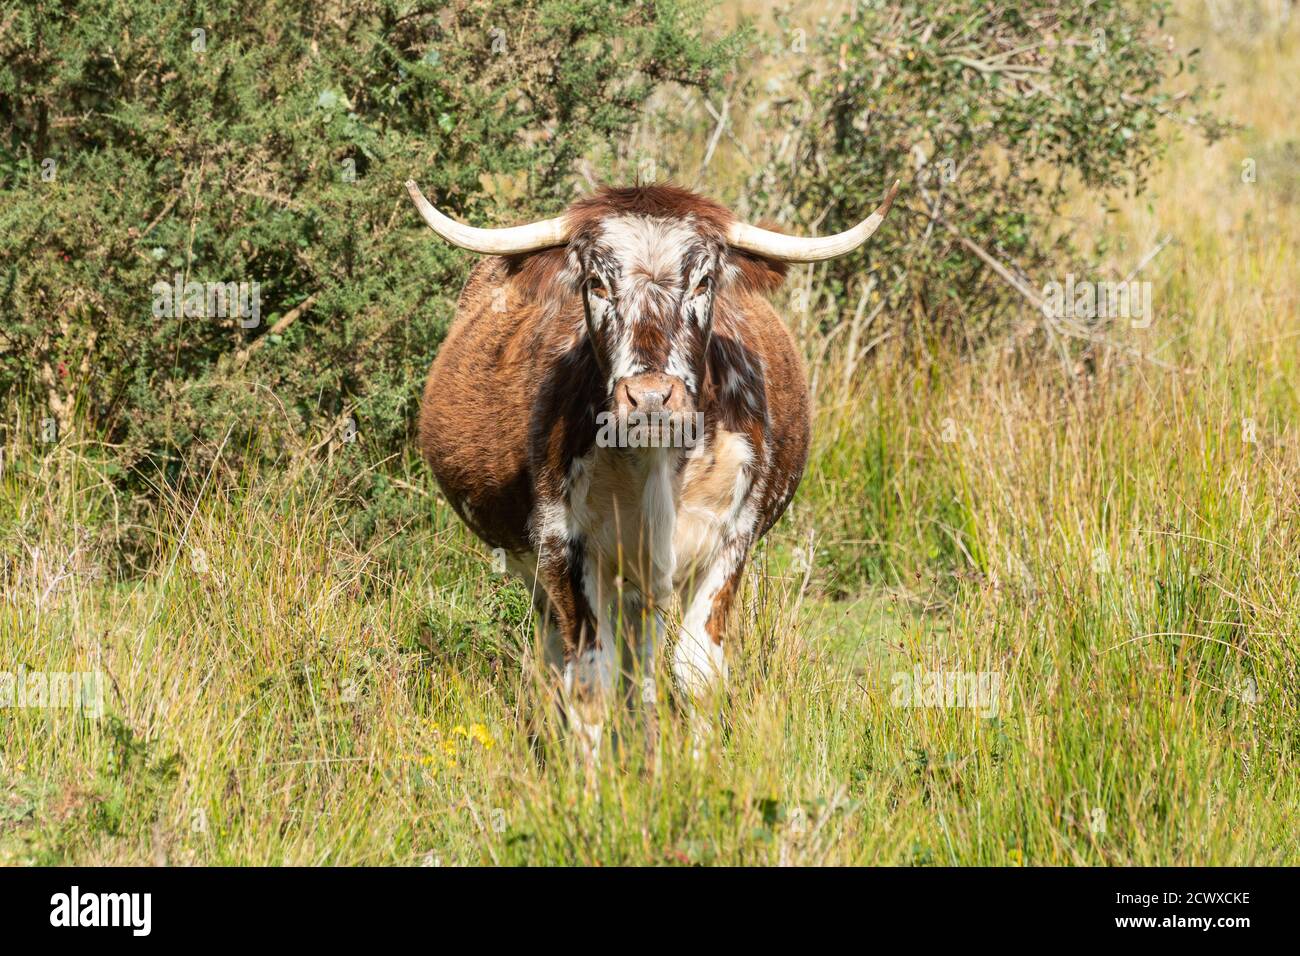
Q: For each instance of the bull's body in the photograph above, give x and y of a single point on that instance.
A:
(645, 306)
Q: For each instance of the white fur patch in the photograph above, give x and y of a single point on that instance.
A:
(650, 251)
(659, 510)
(550, 521)
(698, 661)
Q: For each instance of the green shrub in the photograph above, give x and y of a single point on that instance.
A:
(269, 142)
(985, 112)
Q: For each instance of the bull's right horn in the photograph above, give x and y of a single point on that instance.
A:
(510, 241)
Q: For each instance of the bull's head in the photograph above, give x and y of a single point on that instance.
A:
(649, 282)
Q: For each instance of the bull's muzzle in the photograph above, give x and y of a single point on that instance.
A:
(656, 408)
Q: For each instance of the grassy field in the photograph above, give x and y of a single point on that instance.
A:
(1113, 552)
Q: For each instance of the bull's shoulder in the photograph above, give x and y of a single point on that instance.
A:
(755, 367)
(760, 390)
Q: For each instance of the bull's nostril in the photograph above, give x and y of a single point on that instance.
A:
(631, 398)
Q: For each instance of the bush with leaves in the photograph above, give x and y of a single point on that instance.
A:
(268, 142)
(988, 113)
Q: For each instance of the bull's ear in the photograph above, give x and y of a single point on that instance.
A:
(749, 272)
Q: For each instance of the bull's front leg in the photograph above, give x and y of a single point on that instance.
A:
(699, 662)
(641, 627)
(592, 653)
(575, 607)
(629, 627)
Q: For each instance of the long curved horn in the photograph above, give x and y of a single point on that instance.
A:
(513, 240)
(776, 245)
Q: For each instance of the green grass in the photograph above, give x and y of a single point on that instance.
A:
(1113, 546)
(279, 696)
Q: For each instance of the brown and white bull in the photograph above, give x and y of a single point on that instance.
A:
(620, 410)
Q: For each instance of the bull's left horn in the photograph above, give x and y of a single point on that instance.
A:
(776, 245)
(510, 241)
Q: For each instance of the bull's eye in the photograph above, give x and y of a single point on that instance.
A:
(703, 287)
(597, 288)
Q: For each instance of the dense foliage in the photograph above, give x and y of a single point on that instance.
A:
(268, 142)
(984, 111)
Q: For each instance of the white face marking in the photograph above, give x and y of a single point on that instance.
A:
(649, 255)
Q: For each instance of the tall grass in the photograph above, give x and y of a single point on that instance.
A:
(1117, 547)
